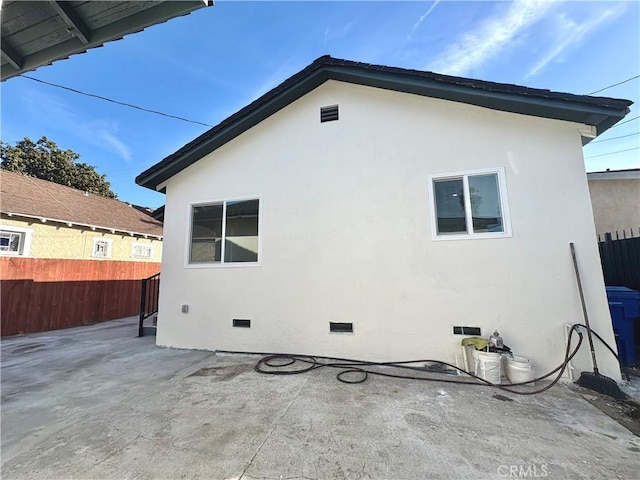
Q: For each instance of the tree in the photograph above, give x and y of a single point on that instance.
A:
(45, 160)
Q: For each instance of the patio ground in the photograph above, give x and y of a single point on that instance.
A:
(97, 402)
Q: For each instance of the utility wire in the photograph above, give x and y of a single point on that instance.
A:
(626, 121)
(124, 104)
(116, 101)
(611, 153)
(614, 138)
(614, 85)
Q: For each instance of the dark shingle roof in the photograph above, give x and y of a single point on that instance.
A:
(32, 197)
(601, 112)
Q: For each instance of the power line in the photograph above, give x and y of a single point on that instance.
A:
(116, 101)
(614, 85)
(626, 121)
(156, 112)
(611, 153)
(614, 138)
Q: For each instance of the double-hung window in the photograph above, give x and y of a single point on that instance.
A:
(101, 248)
(141, 250)
(471, 204)
(225, 232)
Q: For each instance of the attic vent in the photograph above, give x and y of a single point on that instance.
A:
(241, 323)
(341, 327)
(329, 114)
(475, 331)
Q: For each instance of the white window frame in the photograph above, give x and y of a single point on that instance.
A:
(150, 246)
(24, 249)
(108, 242)
(223, 202)
(470, 235)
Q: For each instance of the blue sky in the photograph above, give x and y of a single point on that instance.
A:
(207, 65)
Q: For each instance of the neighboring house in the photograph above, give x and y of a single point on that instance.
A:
(70, 258)
(42, 219)
(615, 198)
(364, 211)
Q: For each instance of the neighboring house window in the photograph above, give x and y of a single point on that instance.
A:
(225, 232)
(470, 204)
(15, 240)
(101, 248)
(141, 250)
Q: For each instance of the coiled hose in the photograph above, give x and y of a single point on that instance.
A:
(274, 363)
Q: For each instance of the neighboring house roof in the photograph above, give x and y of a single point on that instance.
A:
(628, 174)
(39, 33)
(158, 213)
(599, 112)
(30, 197)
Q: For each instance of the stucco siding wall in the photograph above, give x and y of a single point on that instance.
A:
(54, 240)
(346, 234)
(616, 205)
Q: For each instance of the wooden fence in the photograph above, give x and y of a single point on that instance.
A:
(37, 295)
(620, 259)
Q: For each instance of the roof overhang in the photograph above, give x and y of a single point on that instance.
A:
(630, 174)
(39, 33)
(598, 112)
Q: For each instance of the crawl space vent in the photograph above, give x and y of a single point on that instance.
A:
(241, 323)
(339, 327)
(475, 331)
(329, 114)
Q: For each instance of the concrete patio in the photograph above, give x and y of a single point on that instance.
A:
(97, 402)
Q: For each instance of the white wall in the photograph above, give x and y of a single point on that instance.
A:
(346, 234)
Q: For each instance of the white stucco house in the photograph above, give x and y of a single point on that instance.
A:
(370, 212)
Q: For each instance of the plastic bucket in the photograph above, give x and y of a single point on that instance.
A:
(487, 366)
(519, 370)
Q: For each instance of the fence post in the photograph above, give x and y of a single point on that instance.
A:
(143, 297)
(620, 260)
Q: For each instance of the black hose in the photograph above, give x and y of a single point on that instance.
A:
(350, 367)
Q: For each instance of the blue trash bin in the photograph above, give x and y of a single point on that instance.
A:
(624, 305)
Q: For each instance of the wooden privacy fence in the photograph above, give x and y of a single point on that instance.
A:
(620, 259)
(38, 294)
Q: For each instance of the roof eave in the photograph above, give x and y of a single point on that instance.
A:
(153, 177)
(599, 116)
(628, 174)
(131, 24)
(71, 223)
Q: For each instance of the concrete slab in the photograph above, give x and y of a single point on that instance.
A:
(97, 402)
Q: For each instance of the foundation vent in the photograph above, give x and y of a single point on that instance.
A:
(329, 114)
(474, 331)
(339, 327)
(241, 323)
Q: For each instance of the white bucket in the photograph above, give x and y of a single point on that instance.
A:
(468, 358)
(519, 370)
(488, 366)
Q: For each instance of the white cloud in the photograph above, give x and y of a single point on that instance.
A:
(337, 33)
(421, 19)
(480, 45)
(57, 115)
(570, 34)
(105, 134)
(284, 70)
